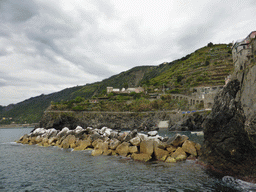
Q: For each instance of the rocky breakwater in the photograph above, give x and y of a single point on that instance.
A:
(105, 141)
(227, 145)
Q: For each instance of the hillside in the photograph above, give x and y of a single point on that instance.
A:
(206, 66)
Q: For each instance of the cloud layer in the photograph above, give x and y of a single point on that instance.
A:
(48, 45)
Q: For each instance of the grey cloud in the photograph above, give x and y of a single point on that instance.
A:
(105, 7)
(17, 10)
(3, 52)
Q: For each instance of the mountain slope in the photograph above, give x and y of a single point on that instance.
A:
(206, 66)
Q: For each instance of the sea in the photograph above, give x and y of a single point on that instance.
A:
(41, 169)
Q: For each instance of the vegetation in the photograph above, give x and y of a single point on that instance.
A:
(135, 102)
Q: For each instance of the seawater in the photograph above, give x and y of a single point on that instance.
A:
(34, 168)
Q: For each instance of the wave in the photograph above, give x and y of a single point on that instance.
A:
(239, 184)
(11, 143)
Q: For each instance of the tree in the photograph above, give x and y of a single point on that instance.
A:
(179, 78)
(126, 85)
(210, 44)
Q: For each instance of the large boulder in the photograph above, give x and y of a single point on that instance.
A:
(135, 141)
(123, 149)
(68, 142)
(147, 147)
(160, 154)
(133, 149)
(98, 149)
(189, 147)
(177, 140)
(63, 132)
(179, 154)
(114, 143)
(83, 144)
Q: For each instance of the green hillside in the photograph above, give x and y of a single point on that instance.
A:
(206, 66)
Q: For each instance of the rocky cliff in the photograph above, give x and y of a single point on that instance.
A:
(230, 130)
(113, 120)
(226, 141)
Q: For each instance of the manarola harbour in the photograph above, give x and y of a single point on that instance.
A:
(127, 96)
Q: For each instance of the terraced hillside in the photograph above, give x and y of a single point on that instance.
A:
(206, 66)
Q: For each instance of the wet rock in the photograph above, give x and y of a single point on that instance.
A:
(170, 160)
(141, 157)
(98, 149)
(83, 144)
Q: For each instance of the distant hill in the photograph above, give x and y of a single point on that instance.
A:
(206, 66)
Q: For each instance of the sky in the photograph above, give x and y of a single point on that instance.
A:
(50, 45)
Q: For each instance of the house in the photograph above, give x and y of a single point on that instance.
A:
(136, 90)
(111, 89)
(243, 51)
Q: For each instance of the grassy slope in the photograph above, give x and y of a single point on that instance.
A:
(192, 69)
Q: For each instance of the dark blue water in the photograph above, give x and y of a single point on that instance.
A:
(34, 168)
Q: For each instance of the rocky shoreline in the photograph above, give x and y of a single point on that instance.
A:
(105, 141)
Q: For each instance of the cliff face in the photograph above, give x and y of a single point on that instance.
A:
(226, 141)
(247, 97)
(230, 130)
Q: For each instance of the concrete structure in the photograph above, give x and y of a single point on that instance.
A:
(244, 51)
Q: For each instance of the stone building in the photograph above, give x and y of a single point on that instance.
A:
(206, 94)
(244, 51)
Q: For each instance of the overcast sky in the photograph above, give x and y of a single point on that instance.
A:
(49, 45)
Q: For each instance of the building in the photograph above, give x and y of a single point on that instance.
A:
(244, 51)
(206, 94)
(123, 90)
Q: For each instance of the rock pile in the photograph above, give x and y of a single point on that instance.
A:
(105, 141)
